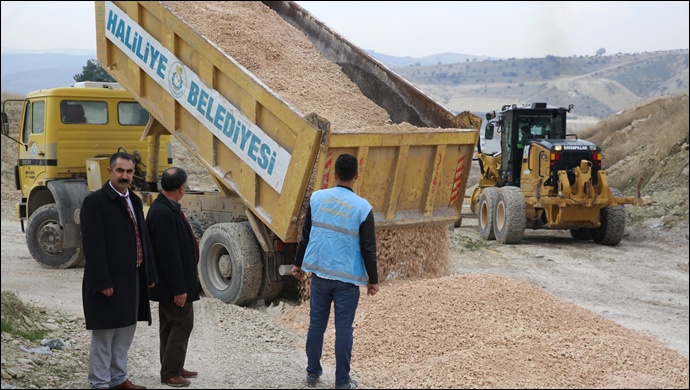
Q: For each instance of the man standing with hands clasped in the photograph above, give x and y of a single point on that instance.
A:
(177, 254)
(338, 246)
(118, 273)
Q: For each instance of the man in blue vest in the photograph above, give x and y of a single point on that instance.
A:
(338, 246)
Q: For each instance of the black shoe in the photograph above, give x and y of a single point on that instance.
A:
(312, 379)
(351, 385)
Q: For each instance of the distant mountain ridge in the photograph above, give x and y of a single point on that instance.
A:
(598, 86)
(24, 71)
(435, 59)
(76, 52)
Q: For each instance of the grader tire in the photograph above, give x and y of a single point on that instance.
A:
(45, 237)
(612, 224)
(230, 263)
(510, 216)
(485, 213)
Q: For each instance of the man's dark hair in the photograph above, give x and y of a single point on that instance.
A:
(173, 178)
(122, 155)
(346, 166)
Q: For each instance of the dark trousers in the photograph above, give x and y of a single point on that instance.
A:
(345, 299)
(176, 324)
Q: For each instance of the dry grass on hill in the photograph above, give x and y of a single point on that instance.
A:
(656, 127)
(647, 146)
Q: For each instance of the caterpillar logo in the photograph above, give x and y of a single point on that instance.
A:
(576, 147)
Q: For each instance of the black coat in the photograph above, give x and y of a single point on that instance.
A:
(110, 251)
(174, 250)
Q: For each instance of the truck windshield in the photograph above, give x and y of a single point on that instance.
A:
(83, 111)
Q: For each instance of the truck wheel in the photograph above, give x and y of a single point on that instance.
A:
(270, 290)
(510, 215)
(485, 213)
(199, 224)
(230, 263)
(45, 237)
(581, 234)
(612, 224)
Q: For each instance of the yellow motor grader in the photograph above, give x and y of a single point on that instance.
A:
(543, 178)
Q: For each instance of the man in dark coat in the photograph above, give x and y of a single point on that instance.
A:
(118, 273)
(177, 253)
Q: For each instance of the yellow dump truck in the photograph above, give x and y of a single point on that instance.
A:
(65, 134)
(266, 156)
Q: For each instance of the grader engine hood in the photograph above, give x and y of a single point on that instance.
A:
(566, 155)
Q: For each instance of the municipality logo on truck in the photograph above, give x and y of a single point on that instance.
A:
(256, 148)
(177, 80)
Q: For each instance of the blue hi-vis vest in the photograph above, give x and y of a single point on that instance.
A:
(333, 251)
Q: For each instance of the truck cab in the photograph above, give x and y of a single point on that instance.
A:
(60, 129)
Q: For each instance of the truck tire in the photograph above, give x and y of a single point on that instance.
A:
(510, 215)
(612, 224)
(45, 237)
(270, 290)
(230, 263)
(485, 213)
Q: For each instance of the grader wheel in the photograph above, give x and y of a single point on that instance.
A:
(612, 224)
(510, 216)
(485, 213)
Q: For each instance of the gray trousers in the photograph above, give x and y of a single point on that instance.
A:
(108, 356)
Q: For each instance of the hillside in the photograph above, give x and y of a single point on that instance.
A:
(648, 146)
(597, 86)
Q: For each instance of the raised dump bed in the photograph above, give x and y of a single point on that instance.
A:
(269, 152)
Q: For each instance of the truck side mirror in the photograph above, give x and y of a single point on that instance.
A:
(6, 130)
(5, 124)
(489, 131)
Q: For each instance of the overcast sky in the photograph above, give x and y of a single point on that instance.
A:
(520, 29)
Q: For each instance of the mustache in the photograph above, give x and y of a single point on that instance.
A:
(123, 180)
